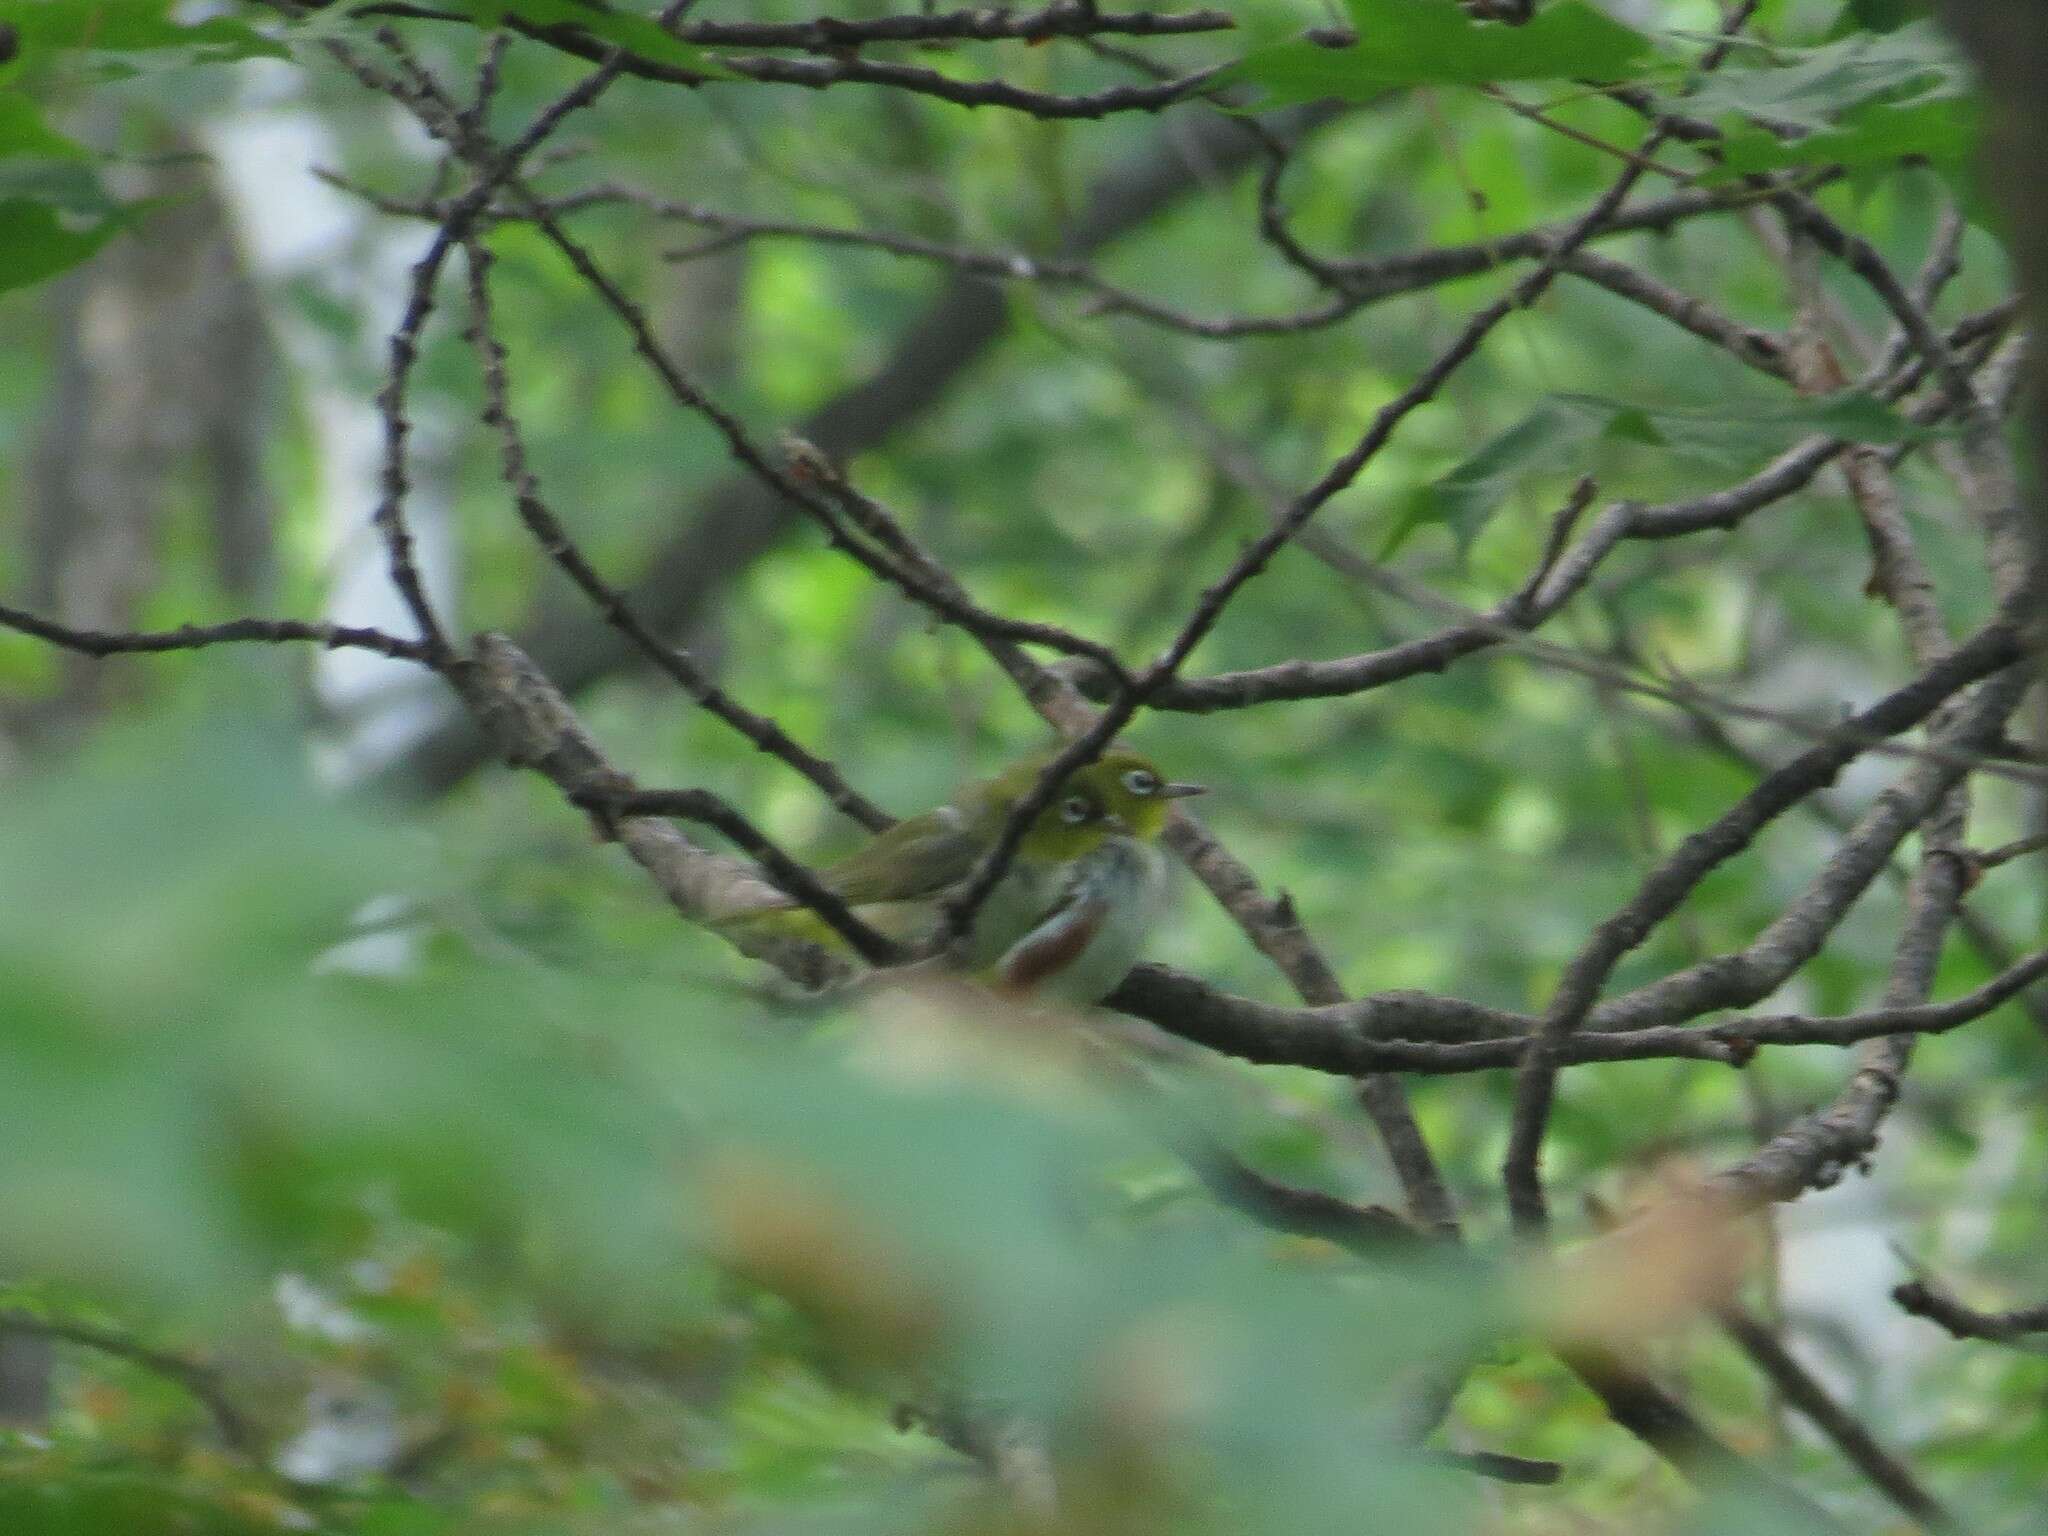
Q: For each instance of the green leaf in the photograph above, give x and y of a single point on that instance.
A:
(37, 242)
(117, 27)
(1866, 99)
(23, 132)
(54, 211)
(1550, 439)
(1564, 434)
(1944, 131)
(1816, 87)
(40, 165)
(1769, 422)
(1426, 42)
(64, 185)
(138, 1503)
(1630, 424)
(1878, 15)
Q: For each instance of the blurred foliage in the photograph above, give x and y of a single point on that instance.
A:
(432, 1127)
(768, 1225)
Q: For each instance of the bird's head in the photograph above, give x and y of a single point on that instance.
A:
(1120, 794)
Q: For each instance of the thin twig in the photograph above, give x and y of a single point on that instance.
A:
(555, 542)
(1440, 1036)
(622, 800)
(192, 637)
(1923, 1298)
(1209, 608)
(237, 1432)
(1851, 1436)
(389, 515)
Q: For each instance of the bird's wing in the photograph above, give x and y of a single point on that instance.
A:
(1055, 941)
(911, 860)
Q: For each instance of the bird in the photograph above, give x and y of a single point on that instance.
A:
(1068, 919)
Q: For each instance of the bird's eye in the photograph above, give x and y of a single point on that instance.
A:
(1142, 781)
(1076, 809)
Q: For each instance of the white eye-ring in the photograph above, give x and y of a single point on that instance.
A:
(1076, 809)
(1142, 781)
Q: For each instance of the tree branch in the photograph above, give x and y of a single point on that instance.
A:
(193, 637)
(555, 542)
(741, 519)
(202, 1381)
(1850, 1435)
(1923, 1298)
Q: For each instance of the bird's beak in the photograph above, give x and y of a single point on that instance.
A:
(1181, 791)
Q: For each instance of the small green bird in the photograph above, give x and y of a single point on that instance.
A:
(1070, 915)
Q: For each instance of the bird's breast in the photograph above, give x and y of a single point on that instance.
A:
(1128, 879)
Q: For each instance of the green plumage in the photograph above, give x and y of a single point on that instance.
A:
(1083, 889)
(912, 860)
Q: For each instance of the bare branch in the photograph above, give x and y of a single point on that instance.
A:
(192, 637)
(1357, 285)
(1814, 1150)
(1259, 554)
(793, 487)
(1759, 349)
(1923, 1298)
(1272, 927)
(1440, 1036)
(834, 35)
(1277, 932)
(555, 542)
(1665, 1424)
(1796, 933)
(823, 73)
(2005, 853)
(389, 515)
(202, 1381)
(530, 724)
(909, 569)
(623, 801)
(1851, 1436)
(1063, 18)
